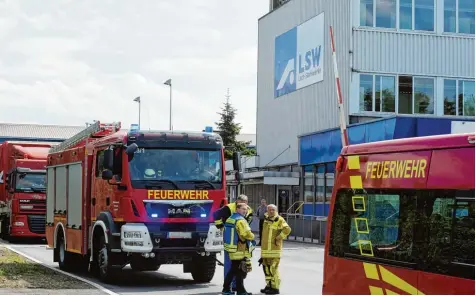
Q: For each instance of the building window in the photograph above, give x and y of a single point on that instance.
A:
(367, 13)
(459, 97)
(309, 192)
(320, 189)
(450, 103)
(386, 13)
(412, 14)
(416, 95)
(366, 91)
(330, 170)
(459, 16)
(466, 98)
(423, 95)
(417, 15)
(377, 94)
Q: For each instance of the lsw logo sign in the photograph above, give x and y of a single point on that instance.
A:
(298, 57)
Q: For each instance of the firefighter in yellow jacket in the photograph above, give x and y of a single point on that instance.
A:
(275, 230)
(238, 243)
(220, 217)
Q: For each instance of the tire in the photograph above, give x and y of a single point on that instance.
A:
(203, 268)
(64, 257)
(103, 262)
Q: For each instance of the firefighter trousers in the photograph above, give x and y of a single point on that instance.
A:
(226, 269)
(271, 272)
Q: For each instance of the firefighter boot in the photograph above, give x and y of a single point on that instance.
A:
(266, 289)
(272, 291)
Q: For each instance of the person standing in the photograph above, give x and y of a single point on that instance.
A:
(260, 213)
(275, 230)
(237, 241)
(220, 216)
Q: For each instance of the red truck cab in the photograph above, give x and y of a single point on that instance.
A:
(23, 189)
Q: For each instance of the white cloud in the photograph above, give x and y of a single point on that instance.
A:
(69, 62)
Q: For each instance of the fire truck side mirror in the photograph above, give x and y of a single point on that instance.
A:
(131, 149)
(109, 159)
(237, 161)
(107, 175)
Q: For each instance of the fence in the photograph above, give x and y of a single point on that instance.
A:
(306, 228)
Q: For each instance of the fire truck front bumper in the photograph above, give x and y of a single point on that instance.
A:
(141, 238)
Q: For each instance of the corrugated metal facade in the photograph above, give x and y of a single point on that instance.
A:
(12, 130)
(413, 53)
(281, 120)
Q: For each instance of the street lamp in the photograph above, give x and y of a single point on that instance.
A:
(138, 101)
(169, 83)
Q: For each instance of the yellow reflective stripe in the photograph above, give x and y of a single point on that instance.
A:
(397, 282)
(371, 271)
(390, 292)
(218, 222)
(357, 224)
(353, 162)
(375, 290)
(356, 182)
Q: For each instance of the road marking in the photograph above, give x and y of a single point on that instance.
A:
(97, 286)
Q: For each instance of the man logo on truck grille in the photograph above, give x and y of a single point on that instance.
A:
(179, 211)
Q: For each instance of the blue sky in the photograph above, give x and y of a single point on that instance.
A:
(69, 62)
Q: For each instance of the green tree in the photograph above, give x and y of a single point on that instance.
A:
(229, 130)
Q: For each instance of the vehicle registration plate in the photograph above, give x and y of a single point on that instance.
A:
(180, 235)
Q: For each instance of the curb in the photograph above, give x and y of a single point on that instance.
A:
(95, 285)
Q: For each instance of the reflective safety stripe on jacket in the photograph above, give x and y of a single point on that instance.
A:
(236, 237)
(230, 236)
(275, 230)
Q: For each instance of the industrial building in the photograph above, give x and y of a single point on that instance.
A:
(406, 69)
(37, 132)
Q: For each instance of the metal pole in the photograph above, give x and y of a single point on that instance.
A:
(170, 124)
(139, 114)
(340, 100)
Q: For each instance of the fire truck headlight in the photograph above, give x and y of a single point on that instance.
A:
(132, 234)
(19, 224)
(26, 207)
(154, 215)
(203, 215)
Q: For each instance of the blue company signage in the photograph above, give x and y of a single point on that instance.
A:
(298, 56)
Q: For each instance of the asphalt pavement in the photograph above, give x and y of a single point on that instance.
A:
(300, 269)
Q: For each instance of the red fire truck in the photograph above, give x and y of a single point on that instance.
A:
(22, 189)
(143, 198)
(402, 218)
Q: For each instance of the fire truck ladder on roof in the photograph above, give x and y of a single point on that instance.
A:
(84, 134)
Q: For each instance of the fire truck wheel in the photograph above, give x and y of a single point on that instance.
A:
(103, 257)
(203, 268)
(64, 257)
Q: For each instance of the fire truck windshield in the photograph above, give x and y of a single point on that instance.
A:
(30, 182)
(176, 169)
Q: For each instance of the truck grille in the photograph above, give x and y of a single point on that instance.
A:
(36, 223)
(38, 206)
